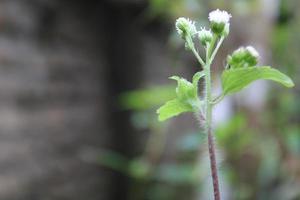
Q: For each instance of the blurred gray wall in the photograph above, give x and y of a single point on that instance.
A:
(62, 65)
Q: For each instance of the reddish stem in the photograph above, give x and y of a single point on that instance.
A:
(213, 165)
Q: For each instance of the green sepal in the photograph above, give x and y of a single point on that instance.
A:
(217, 28)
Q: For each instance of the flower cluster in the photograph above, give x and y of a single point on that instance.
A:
(219, 25)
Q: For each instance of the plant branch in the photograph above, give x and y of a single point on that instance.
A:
(192, 47)
(198, 57)
(207, 52)
(211, 45)
(216, 49)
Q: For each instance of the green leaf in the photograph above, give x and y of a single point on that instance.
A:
(234, 80)
(187, 98)
(185, 90)
(173, 108)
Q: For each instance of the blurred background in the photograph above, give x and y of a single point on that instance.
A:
(80, 82)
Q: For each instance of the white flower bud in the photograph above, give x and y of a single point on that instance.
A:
(243, 57)
(218, 16)
(205, 36)
(252, 51)
(185, 27)
(218, 20)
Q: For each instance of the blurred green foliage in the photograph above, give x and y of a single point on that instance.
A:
(144, 99)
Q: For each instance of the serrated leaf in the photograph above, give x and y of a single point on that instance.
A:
(173, 108)
(234, 80)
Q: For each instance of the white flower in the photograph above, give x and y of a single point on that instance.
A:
(218, 16)
(205, 36)
(252, 51)
(219, 22)
(185, 26)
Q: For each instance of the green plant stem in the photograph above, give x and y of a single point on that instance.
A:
(211, 46)
(208, 117)
(198, 57)
(213, 55)
(210, 54)
(208, 120)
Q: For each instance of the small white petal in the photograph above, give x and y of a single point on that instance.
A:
(218, 16)
(252, 51)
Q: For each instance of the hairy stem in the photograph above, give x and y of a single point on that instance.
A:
(208, 121)
(213, 165)
(210, 54)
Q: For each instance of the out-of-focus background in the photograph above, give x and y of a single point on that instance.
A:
(80, 82)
